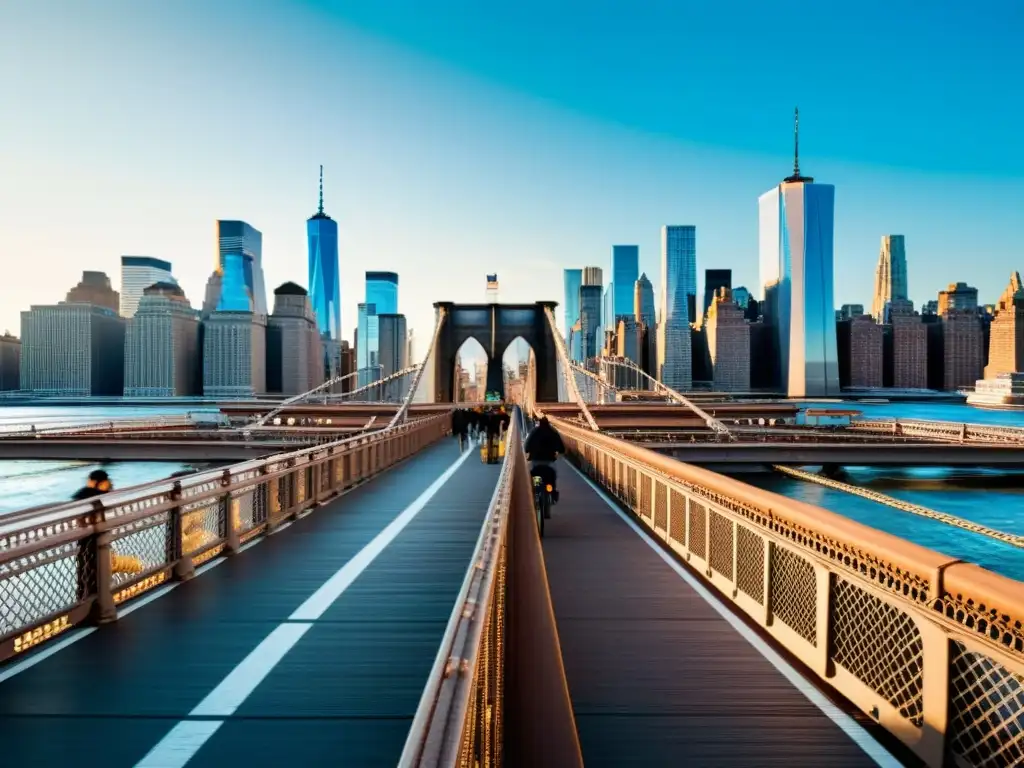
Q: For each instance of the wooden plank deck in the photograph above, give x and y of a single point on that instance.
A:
(656, 675)
(347, 690)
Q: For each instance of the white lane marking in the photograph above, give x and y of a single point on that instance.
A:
(317, 603)
(847, 724)
(228, 696)
(181, 743)
(73, 637)
(188, 737)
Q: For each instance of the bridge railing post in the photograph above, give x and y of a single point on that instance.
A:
(232, 514)
(182, 568)
(104, 609)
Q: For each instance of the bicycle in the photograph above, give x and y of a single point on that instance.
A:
(541, 501)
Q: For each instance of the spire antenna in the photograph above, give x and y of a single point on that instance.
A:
(321, 208)
(797, 177)
(796, 141)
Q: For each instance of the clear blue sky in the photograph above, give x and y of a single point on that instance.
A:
(461, 138)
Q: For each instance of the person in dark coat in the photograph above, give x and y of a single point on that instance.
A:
(460, 426)
(543, 446)
(97, 484)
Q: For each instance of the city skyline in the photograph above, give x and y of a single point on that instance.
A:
(550, 210)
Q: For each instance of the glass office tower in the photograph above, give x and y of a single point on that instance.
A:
(381, 299)
(236, 238)
(368, 345)
(625, 271)
(137, 274)
(573, 281)
(234, 291)
(590, 321)
(795, 244)
(324, 284)
(678, 297)
(382, 292)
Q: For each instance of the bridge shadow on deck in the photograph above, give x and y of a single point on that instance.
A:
(344, 693)
(656, 675)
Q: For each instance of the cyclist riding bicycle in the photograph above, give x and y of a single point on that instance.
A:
(542, 447)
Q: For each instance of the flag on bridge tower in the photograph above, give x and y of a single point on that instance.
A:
(492, 289)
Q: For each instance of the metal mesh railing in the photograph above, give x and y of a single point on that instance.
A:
(459, 719)
(65, 564)
(498, 685)
(881, 620)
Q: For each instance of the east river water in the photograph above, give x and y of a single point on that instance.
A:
(990, 497)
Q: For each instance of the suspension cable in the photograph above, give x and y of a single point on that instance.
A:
(570, 380)
(400, 414)
(710, 421)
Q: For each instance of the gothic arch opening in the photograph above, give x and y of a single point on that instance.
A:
(515, 363)
(470, 381)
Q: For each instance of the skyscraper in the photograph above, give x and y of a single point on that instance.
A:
(860, 350)
(381, 299)
(245, 243)
(382, 292)
(890, 276)
(294, 343)
(137, 274)
(643, 301)
(713, 280)
(324, 285)
(368, 344)
(234, 354)
(593, 276)
(796, 228)
(73, 349)
(162, 350)
(728, 340)
(678, 293)
(625, 271)
(590, 321)
(392, 344)
(573, 279)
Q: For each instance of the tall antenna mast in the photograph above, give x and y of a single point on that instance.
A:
(796, 145)
(321, 208)
(796, 177)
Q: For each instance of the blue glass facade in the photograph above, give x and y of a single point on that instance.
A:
(573, 281)
(381, 299)
(234, 288)
(236, 238)
(382, 292)
(678, 297)
(368, 348)
(796, 259)
(324, 284)
(625, 271)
